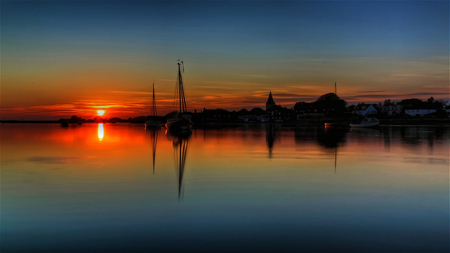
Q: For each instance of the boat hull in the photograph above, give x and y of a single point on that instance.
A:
(178, 125)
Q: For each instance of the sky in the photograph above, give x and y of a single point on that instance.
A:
(64, 58)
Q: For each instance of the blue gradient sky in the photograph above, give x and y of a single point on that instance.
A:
(65, 58)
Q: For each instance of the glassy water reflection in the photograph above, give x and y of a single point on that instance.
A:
(120, 187)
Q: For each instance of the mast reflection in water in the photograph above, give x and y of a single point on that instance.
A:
(180, 145)
(154, 138)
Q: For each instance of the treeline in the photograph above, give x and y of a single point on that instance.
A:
(327, 106)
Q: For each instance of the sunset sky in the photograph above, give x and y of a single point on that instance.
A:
(64, 58)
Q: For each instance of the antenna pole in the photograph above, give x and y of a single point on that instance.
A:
(335, 92)
(154, 102)
(180, 83)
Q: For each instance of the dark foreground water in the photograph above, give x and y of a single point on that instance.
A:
(122, 188)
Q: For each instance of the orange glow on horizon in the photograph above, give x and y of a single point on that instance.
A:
(126, 104)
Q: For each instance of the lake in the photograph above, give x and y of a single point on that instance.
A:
(123, 188)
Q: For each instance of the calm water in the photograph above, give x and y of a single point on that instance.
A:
(120, 187)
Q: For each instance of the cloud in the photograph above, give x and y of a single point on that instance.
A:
(147, 93)
(238, 84)
(167, 80)
(373, 91)
(254, 76)
(214, 87)
(407, 75)
(429, 94)
(52, 159)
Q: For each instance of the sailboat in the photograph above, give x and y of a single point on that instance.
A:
(153, 122)
(178, 123)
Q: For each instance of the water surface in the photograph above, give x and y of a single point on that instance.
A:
(120, 187)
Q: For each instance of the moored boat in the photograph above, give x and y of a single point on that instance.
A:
(366, 122)
(179, 121)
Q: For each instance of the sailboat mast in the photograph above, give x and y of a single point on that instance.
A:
(181, 98)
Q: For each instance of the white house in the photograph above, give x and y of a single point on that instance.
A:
(391, 109)
(419, 112)
(365, 110)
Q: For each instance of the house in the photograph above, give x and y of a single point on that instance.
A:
(218, 115)
(419, 111)
(365, 109)
(422, 109)
(279, 114)
(391, 109)
(308, 111)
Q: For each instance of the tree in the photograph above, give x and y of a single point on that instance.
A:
(257, 111)
(410, 102)
(328, 97)
(243, 111)
(332, 104)
(430, 100)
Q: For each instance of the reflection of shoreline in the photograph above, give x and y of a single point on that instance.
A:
(331, 137)
(271, 135)
(413, 135)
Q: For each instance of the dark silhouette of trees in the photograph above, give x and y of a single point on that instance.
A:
(257, 111)
(410, 102)
(331, 104)
(387, 102)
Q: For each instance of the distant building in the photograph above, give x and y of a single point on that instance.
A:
(270, 103)
(218, 115)
(418, 108)
(277, 113)
(391, 109)
(365, 109)
(308, 111)
(419, 111)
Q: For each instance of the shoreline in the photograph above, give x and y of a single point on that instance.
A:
(383, 122)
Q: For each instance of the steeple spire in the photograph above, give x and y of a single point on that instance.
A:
(270, 101)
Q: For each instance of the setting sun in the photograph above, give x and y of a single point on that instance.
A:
(100, 112)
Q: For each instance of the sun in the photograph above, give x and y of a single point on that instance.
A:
(100, 112)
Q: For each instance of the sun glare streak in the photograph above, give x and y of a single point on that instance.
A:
(100, 131)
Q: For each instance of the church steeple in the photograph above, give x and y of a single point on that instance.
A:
(270, 101)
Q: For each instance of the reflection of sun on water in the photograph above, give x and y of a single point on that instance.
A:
(100, 131)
